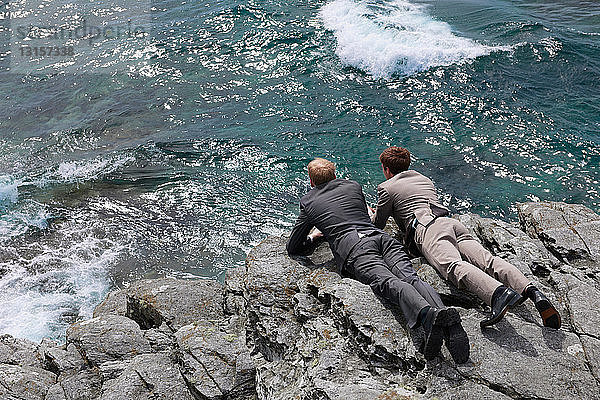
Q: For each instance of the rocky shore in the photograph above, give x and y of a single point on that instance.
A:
(293, 329)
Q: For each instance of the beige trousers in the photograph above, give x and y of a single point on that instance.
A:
(462, 260)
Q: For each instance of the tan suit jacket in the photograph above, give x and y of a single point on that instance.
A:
(409, 195)
(406, 195)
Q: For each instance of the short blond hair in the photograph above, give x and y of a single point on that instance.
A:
(321, 171)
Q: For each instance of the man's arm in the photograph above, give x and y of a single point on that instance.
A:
(384, 208)
(300, 244)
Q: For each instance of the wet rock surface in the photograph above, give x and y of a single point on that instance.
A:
(293, 329)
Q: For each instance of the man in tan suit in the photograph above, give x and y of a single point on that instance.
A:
(447, 245)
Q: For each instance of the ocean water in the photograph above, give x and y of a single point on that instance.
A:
(173, 153)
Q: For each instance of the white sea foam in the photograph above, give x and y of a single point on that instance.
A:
(9, 191)
(16, 219)
(76, 171)
(49, 283)
(27, 216)
(46, 282)
(395, 37)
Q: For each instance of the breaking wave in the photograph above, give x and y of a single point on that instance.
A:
(395, 38)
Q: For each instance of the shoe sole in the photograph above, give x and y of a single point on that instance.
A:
(433, 342)
(455, 336)
(550, 317)
(512, 303)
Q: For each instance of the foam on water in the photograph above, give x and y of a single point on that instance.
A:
(8, 191)
(395, 37)
(46, 286)
(77, 171)
(48, 281)
(16, 219)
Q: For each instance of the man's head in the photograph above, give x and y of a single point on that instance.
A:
(394, 160)
(320, 171)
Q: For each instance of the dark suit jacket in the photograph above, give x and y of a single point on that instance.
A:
(338, 209)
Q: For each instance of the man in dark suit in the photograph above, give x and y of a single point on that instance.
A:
(337, 208)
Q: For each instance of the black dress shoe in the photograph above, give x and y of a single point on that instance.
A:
(455, 336)
(434, 333)
(550, 316)
(503, 299)
(524, 296)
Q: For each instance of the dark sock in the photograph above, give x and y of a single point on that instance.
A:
(422, 315)
(497, 293)
(528, 292)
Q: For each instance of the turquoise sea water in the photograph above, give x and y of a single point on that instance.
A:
(175, 154)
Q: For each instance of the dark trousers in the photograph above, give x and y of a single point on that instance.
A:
(381, 262)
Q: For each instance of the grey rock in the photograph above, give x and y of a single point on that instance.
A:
(379, 332)
(55, 392)
(148, 376)
(115, 303)
(215, 358)
(85, 385)
(337, 371)
(22, 352)
(278, 379)
(64, 360)
(233, 291)
(175, 302)
(444, 381)
(112, 369)
(325, 366)
(469, 390)
(570, 231)
(24, 382)
(335, 322)
(591, 348)
(160, 339)
(321, 258)
(392, 229)
(580, 297)
(555, 363)
(294, 329)
(306, 306)
(271, 275)
(272, 282)
(506, 240)
(107, 338)
(308, 326)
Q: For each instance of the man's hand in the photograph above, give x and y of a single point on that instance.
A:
(315, 234)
